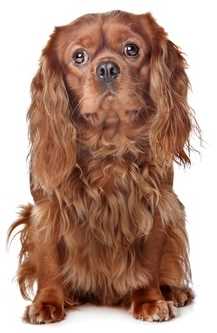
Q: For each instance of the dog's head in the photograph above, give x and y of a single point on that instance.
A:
(106, 66)
(114, 77)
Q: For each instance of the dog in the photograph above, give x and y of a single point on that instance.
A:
(108, 118)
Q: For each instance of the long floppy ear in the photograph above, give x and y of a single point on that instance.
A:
(51, 133)
(168, 89)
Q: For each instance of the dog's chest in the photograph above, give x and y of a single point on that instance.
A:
(111, 220)
(112, 201)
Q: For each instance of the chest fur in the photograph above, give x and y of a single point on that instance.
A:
(113, 200)
(111, 217)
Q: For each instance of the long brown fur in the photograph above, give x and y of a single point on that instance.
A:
(106, 226)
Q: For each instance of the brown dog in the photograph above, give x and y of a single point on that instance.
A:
(108, 117)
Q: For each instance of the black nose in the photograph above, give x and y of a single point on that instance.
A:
(107, 71)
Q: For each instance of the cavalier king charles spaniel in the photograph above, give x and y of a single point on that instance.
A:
(108, 117)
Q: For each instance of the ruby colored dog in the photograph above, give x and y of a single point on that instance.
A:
(108, 118)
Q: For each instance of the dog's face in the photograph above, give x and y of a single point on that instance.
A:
(106, 62)
(114, 83)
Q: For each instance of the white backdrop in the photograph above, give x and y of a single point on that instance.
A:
(24, 29)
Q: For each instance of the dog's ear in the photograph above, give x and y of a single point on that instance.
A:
(52, 134)
(169, 136)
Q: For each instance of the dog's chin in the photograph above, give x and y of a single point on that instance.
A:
(107, 126)
(111, 121)
(109, 114)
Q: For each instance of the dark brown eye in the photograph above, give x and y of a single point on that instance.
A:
(80, 57)
(131, 50)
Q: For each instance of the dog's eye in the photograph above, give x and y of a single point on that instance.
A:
(80, 57)
(131, 50)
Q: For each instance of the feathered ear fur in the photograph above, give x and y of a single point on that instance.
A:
(168, 89)
(52, 134)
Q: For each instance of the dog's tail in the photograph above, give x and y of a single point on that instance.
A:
(26, 270)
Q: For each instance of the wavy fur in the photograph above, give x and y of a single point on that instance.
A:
(105, 222)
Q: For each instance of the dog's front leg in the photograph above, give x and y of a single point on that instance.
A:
(148, 303)
(48, 304)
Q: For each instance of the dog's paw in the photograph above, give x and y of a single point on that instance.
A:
(154, 311)
(42, 313)
(48, 307)
(179, 296)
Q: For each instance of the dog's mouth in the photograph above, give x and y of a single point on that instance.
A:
(113, 110)
(105, 121)
(111, 113)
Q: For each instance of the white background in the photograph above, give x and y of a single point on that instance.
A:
(24, 29)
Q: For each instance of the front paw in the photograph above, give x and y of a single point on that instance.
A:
(47, 308)
(43, 313)
(154, 311)
(179, 296)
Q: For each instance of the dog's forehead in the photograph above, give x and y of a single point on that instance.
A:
(117, 32)
(91, 29)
